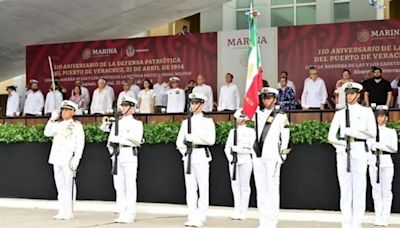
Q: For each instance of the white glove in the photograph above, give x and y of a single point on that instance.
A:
(189, 137)
(219, 108)
(236, 149)
(378, 146)
(74, 163)
(54, 115)
(115, 140)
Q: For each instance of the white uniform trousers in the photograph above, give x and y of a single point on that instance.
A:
(241, 187)
(125, 188)
(197, 180)
(63, 178)
(267, 179)
(382, 192)
(352, 186)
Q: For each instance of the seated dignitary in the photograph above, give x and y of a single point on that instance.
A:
(65, 154)
(381, 168)
(196, 134)
(239, 152)
(122, 144)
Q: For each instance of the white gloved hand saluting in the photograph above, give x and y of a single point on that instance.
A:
(54, 115)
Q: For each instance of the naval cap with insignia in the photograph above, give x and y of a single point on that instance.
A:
(352, 86)
(239, 115)
(382, 110)
(66, 104)
(128, 101)
(269, 92)
(174, 79)
(197, 97)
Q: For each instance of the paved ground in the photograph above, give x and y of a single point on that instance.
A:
(32, 218)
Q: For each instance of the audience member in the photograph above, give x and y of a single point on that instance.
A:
(146, 98)
(284, 74)
(314, 92)
(229, 97)
(185, 31)
(176, 97)
(78, 98)
(34, 100)
(84, 93)
(134, 88)
(160, 97)
(53, 101)
(13, 102)
(206, 91)
(126, 92)
(377, 89)
(286, 97)
(340, 96)
(101, 100)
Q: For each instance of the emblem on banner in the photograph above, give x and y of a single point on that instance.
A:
(363, 35)
(86, 53)
(130, 51)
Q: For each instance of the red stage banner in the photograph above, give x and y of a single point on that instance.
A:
(356, 46)
(116, 60)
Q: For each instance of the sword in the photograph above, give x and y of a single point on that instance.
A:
(53, 84)
(74, 171)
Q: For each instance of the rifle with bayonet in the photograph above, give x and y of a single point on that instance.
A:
(189, 145)
(348, 146)
(115, 146)
(234, 154)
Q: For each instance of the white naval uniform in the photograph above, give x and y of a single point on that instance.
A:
(206, 91)
(13, 102)
(382, 192)
(241, 186)
(203, 132)
(130, 135)
(34, 103)
(51, 105)
(67, 148)
(267, 168)
(176, 100)
(101, 101)
(352, 184)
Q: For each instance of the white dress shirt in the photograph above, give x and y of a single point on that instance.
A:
(314, 93)
(289, 84)
(205, 90)
(176, 100)
(34, 103)
(229, 97)
(122, 94)
(111, 92)
(101, 101)
(13, 102)
(135, 89)
(161, 97)
(51, 105)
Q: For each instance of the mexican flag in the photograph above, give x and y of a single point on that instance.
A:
(254, 70)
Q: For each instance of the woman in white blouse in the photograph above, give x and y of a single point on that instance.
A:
(146, 97)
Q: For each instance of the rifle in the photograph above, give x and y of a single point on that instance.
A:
(189, 145)
(234, 154)
(115, 146)
(348, 146)
(377, 154)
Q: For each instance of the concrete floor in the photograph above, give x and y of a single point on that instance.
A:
(35, 218)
